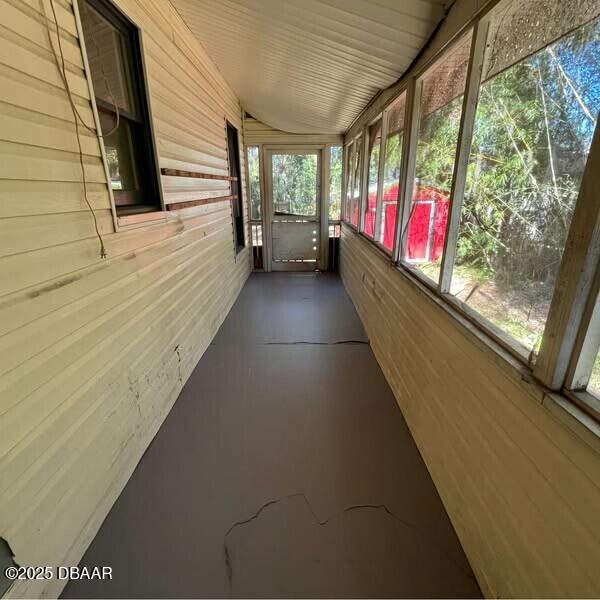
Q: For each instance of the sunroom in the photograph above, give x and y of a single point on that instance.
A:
(299, 298)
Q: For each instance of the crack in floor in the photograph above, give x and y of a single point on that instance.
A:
(301, 342)
(320, 522)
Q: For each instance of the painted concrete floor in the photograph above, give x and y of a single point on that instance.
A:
(285, 469)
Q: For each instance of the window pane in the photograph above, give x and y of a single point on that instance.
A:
(349, 158)
(295, 184)
(374, 151)
(356, 182)
(440, 111)
(594, 383)
(120, 158)
(391, 171)
(254, 181)
(533, 130)
(107, 52)
(335, 182)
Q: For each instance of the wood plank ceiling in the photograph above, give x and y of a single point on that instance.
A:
(311, 66)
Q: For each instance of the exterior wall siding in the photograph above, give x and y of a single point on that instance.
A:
(521, 488)
(93, 352)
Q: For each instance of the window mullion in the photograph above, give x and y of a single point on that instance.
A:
(463, 150)
(407, 173)
(574, 284)
(380, 169)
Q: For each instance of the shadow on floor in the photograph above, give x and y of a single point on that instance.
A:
(285, 469)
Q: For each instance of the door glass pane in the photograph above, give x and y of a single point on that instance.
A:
(254, 182)
(107, 55)
(538, 105)
(295, 185)
(440, 110)
(335, 182)
(391, 171)
(374, 150)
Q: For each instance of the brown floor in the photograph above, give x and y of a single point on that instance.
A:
(285, 469)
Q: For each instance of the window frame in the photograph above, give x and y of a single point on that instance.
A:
(574, 310)
(149, 170)
(404, 89)
(358, 139)
(327, 168)
(366, 168)
(236, 185)
(463, 144)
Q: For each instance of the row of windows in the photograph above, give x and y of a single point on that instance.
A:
(471, 176)
(114, 55)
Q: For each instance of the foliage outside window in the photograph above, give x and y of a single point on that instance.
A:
(335, 182)
(439, 113)
(348, 162)
(294, 184)
(356, 181)
(391, 171)
(253, 160)
(374, 133)
(538, 105)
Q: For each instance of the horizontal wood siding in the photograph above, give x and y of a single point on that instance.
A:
(93, 352)
(521, 489)
(256, 132)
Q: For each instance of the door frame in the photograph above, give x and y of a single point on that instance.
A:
(322, 197)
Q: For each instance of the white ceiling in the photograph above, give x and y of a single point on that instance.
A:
(310, 66)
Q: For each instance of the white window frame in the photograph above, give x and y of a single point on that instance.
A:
(571, 336)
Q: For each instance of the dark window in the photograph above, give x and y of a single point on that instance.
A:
(233, 154)
(115, 59)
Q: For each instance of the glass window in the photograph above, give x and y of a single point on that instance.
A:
(349, 161)
(356, 181)
(114, 57)
(391, 171)
(237, 202)
(538, 103)
(253, 154)
(295, 184)
(335, 182)
(373, 176)
(439, 113)
(586, 375)
(594, 382)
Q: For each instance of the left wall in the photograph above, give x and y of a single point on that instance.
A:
(93, 352)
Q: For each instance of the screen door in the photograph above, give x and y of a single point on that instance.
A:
(294, 209)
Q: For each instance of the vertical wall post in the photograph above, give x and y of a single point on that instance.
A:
(574, 282)
(325, 158)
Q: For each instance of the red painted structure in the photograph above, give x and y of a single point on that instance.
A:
(427, 229)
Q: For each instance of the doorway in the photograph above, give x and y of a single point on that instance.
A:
(293, 216)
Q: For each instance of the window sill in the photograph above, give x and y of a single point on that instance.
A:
(513, 361)
(125, 221)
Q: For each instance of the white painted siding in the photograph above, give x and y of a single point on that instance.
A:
(522, 490)
(256, 132)
(308, 66)
(94, 352)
